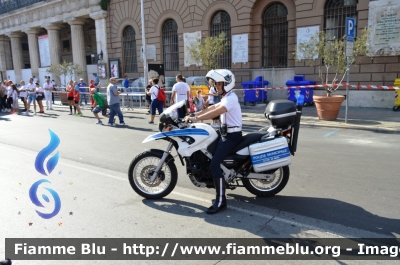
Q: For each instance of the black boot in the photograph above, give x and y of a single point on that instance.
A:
(220, 200)
(6, 262)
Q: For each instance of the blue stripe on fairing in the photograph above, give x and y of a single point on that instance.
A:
(184, 132)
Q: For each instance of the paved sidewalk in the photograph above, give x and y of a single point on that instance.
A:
(372, 119)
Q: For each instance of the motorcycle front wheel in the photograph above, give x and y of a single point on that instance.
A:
(268, 187)
(143, 166)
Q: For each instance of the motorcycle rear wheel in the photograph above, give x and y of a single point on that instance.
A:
(270, 187)
(140, 169)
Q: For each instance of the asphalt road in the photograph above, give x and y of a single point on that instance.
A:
(343, 183)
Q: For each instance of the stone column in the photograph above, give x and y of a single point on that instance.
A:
(33, 51)
(101, 34)
(78, 46)
(16, 48)
(3, 55)
(55, 47)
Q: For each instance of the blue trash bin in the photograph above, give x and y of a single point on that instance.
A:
(254, 91)
(299, 80)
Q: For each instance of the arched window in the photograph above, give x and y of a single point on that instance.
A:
(170, 45)
(221, 22)
(129, 49)
(336, 12)
(275, 36)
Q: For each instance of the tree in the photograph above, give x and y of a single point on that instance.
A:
(206, 54)
(320, 51)
(66, 69)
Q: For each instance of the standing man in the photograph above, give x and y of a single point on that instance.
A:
(126, 83)
(48, 88)
(82, 88)
(31, 88)
(98, 105)
(54, 89)
(180, 91)
(96, 82)
(113, 101)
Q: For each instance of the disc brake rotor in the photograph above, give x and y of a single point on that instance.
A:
(147, 171)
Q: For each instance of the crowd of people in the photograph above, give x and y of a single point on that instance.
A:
(34, 94)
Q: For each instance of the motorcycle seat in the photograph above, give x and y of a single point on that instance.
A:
(248, 139)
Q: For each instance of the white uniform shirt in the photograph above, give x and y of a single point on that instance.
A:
(181, 89)
(233, 116)
(22, 91)
(154, 91)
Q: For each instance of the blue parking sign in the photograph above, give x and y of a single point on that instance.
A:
(350, 28)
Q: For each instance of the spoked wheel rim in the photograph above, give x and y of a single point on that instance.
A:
(270, 183)
(142, 171)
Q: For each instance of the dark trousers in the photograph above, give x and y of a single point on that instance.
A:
(3, 103)
(223, 150)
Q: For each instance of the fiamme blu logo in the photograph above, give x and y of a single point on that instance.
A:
(45, 196)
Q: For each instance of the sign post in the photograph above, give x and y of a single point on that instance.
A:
(350, 35)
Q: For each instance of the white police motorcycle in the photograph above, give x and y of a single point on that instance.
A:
(260, 162)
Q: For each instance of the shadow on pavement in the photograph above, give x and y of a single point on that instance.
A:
(328, 210)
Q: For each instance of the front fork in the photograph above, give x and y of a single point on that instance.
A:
(162, 160)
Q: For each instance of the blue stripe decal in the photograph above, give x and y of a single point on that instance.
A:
(270, 156)
(331, 133)
(184, 132)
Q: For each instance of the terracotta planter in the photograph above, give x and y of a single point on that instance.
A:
(328, 107)
(63, 97)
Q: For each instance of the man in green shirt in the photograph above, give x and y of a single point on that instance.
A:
(99, 105)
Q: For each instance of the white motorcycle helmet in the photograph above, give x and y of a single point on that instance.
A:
(223, 75)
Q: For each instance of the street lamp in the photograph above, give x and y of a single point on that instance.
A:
(92, 55)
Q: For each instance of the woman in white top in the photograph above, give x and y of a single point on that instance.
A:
(23, 94)
(155, 103)
(39, 97)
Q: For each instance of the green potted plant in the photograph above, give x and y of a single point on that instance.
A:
(329, 54)
(66, 70)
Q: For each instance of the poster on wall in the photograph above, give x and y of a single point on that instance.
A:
(384, 23)
(240, 48)
(44, 51)
(114, 68)
(303, 36)
(101, 70)
(151, 53)
(190, 39)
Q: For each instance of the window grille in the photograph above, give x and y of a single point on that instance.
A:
(275, 36)
(336, 12)
(170, 45)
(221, 22)
(129, 49)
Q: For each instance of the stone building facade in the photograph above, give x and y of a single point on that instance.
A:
(269, 53)
(76, 32)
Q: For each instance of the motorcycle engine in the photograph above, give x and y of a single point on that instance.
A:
(198, 171)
